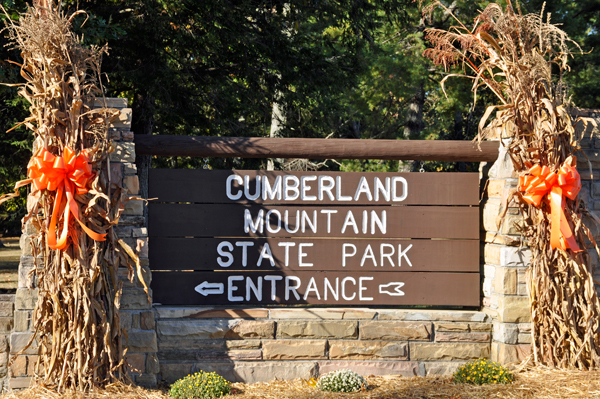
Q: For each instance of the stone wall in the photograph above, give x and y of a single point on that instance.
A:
(256, 344)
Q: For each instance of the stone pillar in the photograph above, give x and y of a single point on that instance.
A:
(6, 326)
(505, 297)
(137, 316)
(19, 374)
(590, 180)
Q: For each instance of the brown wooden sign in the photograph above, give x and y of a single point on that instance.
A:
(210, 220)
(314, 238)
(268, 254)
(316, 288)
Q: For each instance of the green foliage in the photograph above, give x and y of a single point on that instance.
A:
(200, 385)
(368, 165)
(581, 20)
(482, 371)
(341, 381)
(15, 146)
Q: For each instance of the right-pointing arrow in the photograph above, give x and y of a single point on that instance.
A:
(392, 289)
(207, 288)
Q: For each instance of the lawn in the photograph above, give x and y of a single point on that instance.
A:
(539, 383)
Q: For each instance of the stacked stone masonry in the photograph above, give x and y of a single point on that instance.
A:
(261, 344)
(137, 316)
(6, 326)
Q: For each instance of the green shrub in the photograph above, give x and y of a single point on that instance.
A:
(482, 371)
(341, 381)
(200, 386)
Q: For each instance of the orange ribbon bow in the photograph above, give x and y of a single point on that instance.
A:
(558, 185)
(69, 174)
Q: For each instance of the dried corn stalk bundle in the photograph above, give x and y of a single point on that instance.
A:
(514, 56)
(76, 319)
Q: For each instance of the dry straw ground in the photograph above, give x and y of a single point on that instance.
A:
(538, 383)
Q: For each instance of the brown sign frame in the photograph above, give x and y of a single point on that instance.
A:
(199, 231)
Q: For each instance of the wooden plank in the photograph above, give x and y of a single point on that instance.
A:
(210, 186)
(189, 220)
(351, 288)
(259, 147)
(323, 254)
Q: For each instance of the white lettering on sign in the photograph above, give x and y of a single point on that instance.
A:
(338, 192)
(256, 288)
(384, 189)
(363, 187)
(329, 287)
(292, 288)
(392, 289)
(291, 191)
(287, 246)
(254, 225)
(326, 185)
(244, 245)
(307, 221)
(346, 254)
(292, 188)
(273, 280)
(312, 287)
(272, 192)
(207, 288)
(227, 255)
(302, 254)
(294, 254)
(305, 188)
(362, 288)
(265, 253)
(229, 187)
(344, 291)
(256, 195)
(349, 221)
(373, 223)
(231, 288)
(259, 288)
(329, 212)
(402, 254)
(268, 217)
(383, 255)
(404, 191)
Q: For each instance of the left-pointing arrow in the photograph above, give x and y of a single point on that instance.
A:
(207, 288)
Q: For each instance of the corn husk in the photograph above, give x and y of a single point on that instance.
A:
(514, 56)
(76, 319)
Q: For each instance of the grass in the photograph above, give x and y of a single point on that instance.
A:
(537, 383)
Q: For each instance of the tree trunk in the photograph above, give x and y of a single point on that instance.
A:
(142, 123)
(277, 121)
(459, 135)
(414, 125)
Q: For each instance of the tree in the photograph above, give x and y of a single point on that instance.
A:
(15, 146)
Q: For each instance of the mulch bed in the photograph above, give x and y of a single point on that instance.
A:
(538, 383)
